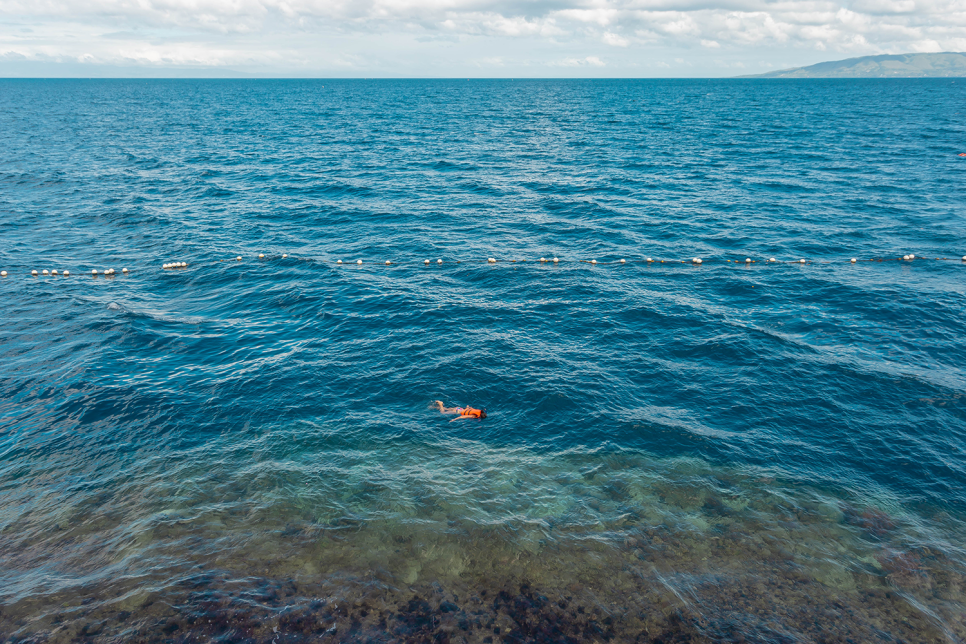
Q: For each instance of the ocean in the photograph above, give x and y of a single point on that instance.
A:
(245, 448)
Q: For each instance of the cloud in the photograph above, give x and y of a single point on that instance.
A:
(437, 34)
(592, 61)
(615, 40)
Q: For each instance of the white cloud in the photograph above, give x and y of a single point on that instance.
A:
(615, 40)
(592, 61)
(432, 36)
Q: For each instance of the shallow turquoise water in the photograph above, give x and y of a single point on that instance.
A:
(715, 451)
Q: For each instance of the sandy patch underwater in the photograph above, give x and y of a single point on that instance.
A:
(296, 534)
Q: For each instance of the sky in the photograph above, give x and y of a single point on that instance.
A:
(461, 38)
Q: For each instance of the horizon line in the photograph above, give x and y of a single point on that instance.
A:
(480, 78)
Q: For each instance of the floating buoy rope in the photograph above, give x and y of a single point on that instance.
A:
(647, 261)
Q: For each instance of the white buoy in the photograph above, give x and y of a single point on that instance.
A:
(3, 273)
(593, 261)
(696, 260)
(964, 258)
(491, 260)
(699, 260)
(649, 259)
(45, 272)
(543, 259)
(53, 272)
(284, 255)
(801, 261)
(33, 272)
(853, 260)
(339, 262)
(261, 256)
(747, 260)
(439, 261)
(912, 256)
(623, 261)
(123, 270)
(238, 259)
(359, 262)
(66, 273)
(772, 259)
(905, 257)
(426, 261)
(388, 262)
(555, 260)
(94, 272)
(184, 264)
(166, 266)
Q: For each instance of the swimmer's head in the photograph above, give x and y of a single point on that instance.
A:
(482, 414)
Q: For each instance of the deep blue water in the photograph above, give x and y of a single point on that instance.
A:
(227, 412)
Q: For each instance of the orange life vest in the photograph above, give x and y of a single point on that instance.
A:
(469, 411)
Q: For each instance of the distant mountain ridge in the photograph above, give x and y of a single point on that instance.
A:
(945, 64)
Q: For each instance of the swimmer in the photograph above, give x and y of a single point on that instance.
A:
(462, 412)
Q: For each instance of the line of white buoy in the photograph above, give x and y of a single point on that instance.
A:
(697, 261)
(66, 273)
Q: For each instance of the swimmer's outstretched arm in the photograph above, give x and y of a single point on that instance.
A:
(460, 418)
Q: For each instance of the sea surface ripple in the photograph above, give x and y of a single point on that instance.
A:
(268, 420)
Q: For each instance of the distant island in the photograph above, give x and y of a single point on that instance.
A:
(945, 64)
